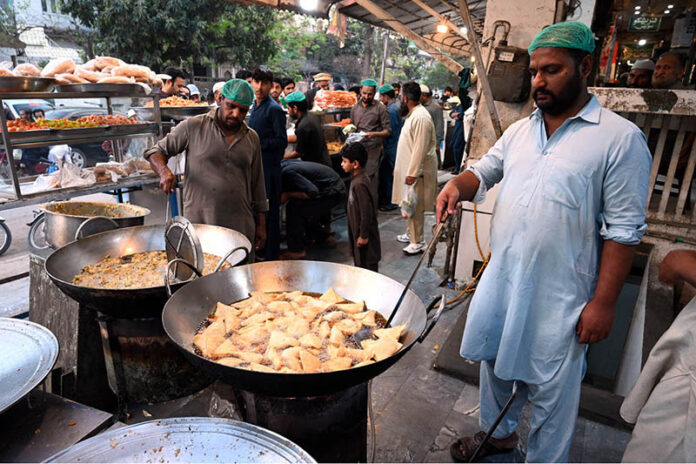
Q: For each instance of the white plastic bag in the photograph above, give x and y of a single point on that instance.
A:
(355, 137)
(409, 202)
(73, 176)
(46, 182)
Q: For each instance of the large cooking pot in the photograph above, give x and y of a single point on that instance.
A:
(68, 220)
(66, 262)
(190, 305)
(186, 439)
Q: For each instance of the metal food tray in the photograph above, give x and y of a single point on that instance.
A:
(125, 129)
(26, 84)
(345, 109)
(40, 135)
(186, 439)
(77, 132)
(29, 135)
(29, 351)
(121, 89)
(177, 113)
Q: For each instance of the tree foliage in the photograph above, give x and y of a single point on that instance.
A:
(162, 32)
(439, 77)
(241, 35)
(158, 33)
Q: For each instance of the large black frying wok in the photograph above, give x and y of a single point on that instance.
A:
(190, 305)
(66, 262)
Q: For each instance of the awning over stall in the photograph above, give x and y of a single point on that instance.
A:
(434, 26)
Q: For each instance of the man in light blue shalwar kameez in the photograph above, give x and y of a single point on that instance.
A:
(570, 209)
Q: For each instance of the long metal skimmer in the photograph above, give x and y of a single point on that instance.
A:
(436, 234)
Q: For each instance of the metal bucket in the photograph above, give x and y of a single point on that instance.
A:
(67, 221)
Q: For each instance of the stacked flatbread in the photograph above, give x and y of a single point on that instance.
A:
(103, 69)
(293, 332)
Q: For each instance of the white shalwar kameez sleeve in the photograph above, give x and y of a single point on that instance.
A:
(559, 199)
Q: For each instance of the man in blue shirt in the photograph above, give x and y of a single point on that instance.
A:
(387, 95)
(569, 212)
(268, 120)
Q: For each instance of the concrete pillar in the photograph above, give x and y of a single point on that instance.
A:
(526, 20)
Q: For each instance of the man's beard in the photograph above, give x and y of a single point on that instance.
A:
(557, 104)
(404, 109)
(662, 82)
(232, 123)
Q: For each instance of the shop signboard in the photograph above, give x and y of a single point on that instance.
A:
(684, 30)
(645, 23)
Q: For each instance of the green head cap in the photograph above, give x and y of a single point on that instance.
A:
(369, 83)
(294, 97)
(570, 34)
(385, 88)
(238, 90)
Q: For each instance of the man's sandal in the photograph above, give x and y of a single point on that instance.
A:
(462, 449)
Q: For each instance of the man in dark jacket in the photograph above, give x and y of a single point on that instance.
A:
(268, 120)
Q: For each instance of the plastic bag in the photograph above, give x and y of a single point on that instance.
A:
(68, 175)
(59, 153)
(73, 176)
(355, 137)
(409, 203)
(46, 182)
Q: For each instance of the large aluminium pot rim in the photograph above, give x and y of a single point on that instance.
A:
(121, 291)
(141, 211)
(213, 368)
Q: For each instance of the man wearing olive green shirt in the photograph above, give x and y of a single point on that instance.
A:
(223, 181)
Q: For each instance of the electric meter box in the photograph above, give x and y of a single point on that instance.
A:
(508, 74)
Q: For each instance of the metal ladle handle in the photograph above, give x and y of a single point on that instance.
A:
(434, 319)
(111, 225)
(495, 424)
(230, 253)
(166, 273)
(415, 271)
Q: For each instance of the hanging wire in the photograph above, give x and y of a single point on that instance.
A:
(470, 287)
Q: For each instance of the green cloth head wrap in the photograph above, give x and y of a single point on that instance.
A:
(571, 34)
(385, 88)
(238, 90)
(369, 83)
(294, 97)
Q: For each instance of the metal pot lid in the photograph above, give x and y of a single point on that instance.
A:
(186, 439)
(181, 241)
(29, 351)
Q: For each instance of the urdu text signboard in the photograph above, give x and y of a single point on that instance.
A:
(645, 23)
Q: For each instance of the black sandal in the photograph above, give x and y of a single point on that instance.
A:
(462, 449)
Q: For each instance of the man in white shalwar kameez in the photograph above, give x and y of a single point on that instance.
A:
(570, 209)
(662, 404)
(416, 165)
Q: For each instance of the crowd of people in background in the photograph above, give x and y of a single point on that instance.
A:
(394, 162)
(666, 72)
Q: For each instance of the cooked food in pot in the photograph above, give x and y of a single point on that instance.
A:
(91, 209)
(296, 332)
(138, 270)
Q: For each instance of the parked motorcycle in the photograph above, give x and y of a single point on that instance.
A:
(5, 236)
(37, 236)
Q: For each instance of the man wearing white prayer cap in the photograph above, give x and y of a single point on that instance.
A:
(641, 74)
